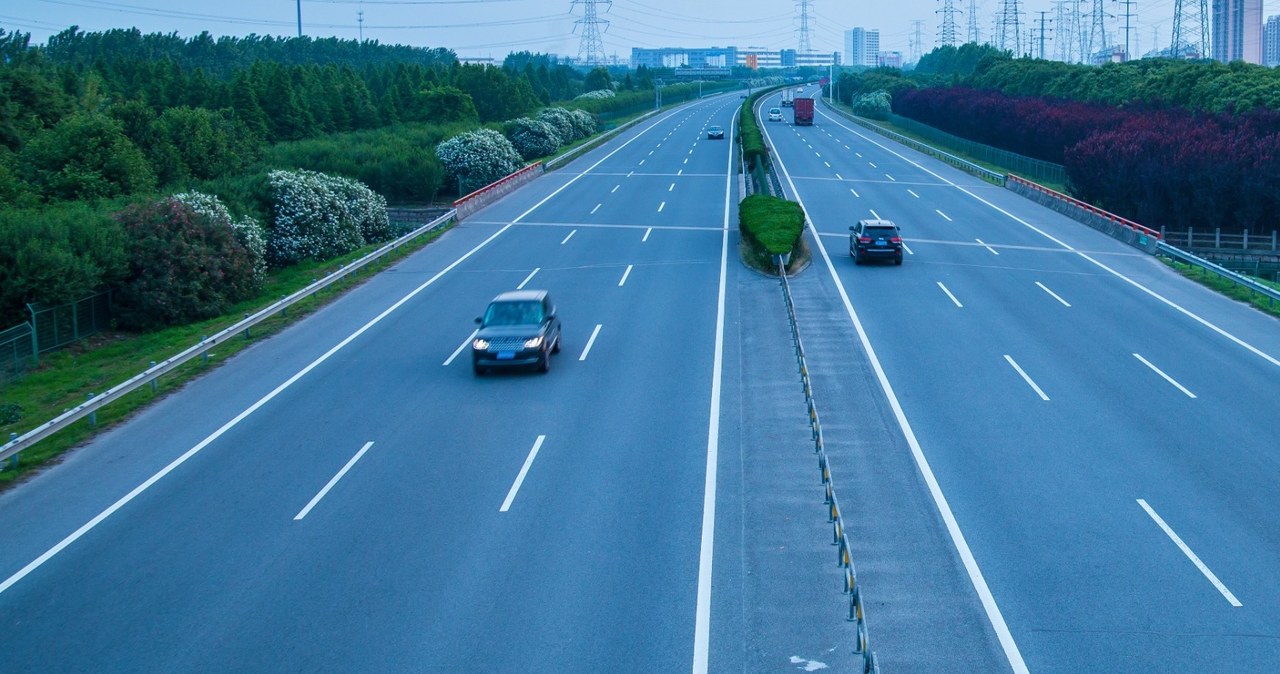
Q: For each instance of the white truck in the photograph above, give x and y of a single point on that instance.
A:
(787, 97)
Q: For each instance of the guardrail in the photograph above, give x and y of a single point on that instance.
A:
(1085, 206)
(947, 158)
(10, 451)
(1266, 291)
(840, 535)
(496, 190)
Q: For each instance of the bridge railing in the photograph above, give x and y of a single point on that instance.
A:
(839, 533)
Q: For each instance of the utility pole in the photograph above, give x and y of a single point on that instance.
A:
(299, 18)
(591, 46)
(1128, 16)
(1043, 20)
(360, 21)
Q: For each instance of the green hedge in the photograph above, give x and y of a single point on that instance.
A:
(776, 224)
(754, 152)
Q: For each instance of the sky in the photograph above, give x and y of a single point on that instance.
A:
(480, 28)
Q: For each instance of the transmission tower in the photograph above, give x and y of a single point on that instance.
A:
(974, 36)
(1190, 29)
(805, 46)
(1061, 31)
(917, 42)
(1009, 27)
(591, 46)
(1097, 29)
(948, 34)
(1082, 35)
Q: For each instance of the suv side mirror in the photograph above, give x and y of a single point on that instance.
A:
(478, 320)
(851, 228)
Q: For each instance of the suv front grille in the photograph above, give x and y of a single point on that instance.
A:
(507, 343)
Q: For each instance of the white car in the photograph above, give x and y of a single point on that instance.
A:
(775, 114)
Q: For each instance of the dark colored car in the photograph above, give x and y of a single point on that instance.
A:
(519, 328)
(875, 240)
(715, 132)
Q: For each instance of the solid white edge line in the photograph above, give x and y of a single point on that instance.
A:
(570, 236)
(988, 600)
(948, 292)
(1153, 294)
(528, 278)
(706, 548)
(332, 481)
(1053, 294)
(625, 274)
(461, 346)
(587, 349)
(124, 500)
(1026, 378)
(524, 470)
(1167, 378)
(1191, 555)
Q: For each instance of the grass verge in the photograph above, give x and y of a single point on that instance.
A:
(1228, 288)
(65, 378)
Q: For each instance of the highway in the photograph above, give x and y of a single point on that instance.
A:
(1101, 430)
(349, 496)
(1054, 454)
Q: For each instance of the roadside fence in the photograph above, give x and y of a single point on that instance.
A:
(1205, 240)
(1120, 228)
(10, 451)
(1272, 295)
(839, 533)
(52, 327)
(1036, 168)
(496, 190)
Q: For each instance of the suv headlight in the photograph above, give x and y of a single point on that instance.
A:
(480, 344)
(533, 343)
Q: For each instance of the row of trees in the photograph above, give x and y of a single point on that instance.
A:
(1161, 166)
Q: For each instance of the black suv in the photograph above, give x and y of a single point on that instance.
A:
(875, 240)
(519, 328)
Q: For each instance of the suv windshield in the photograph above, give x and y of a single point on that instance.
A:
(513, 313)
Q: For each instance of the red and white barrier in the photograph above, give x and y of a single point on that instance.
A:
(496, 190)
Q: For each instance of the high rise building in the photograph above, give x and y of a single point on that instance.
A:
(1271, 42)
(862, 47)
(1237, 31)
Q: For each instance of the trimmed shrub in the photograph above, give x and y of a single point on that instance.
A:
(476, 158)
(599, 93)
(317, 217)
(183, 266)
(776, 224)
(533, 137)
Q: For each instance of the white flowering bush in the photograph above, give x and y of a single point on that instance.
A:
(534, 137)
(562, 121)
(584, 123)
(476, 158)
(598, 93)
(317, 216)
(248, 231)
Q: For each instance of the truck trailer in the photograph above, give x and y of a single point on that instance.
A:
(803, 111)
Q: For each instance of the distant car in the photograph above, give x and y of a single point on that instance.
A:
(799, 90)
(875, 240)
(715, 133)
(518, 328)
(775, 114)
